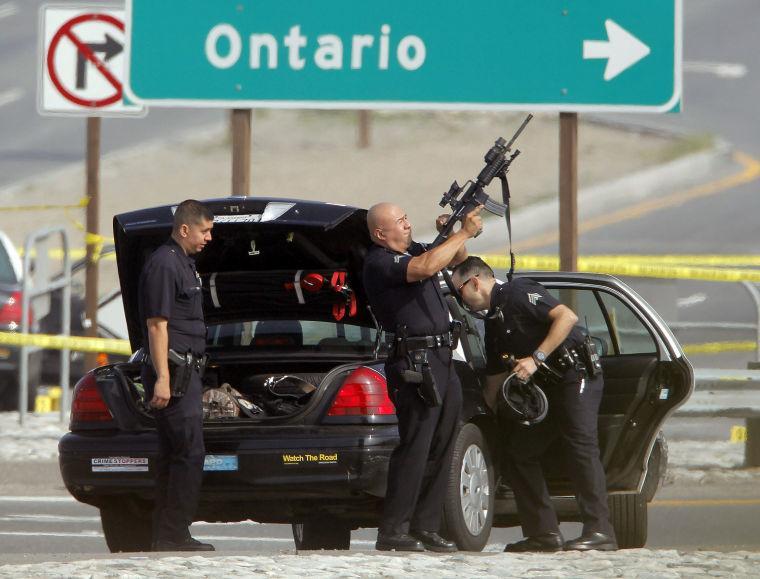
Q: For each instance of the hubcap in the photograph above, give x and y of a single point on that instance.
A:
(474, 491)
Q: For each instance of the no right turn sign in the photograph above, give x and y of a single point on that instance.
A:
(82, 52)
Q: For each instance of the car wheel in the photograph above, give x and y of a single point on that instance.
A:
(657, 468)
(126, 527)
(469, 505)
(628, 514)
(328, 534)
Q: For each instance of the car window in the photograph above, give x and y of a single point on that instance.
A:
(631, 335)
(612, 324)
(288, 334)
(7, 273)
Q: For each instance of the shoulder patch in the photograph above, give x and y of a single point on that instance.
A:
(533, 298)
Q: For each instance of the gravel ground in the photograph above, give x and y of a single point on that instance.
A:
(630, 563)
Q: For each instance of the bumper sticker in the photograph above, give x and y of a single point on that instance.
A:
(219, 462)
(119, 464)
(306, 458)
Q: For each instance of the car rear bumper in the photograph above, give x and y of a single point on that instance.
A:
(277, 476)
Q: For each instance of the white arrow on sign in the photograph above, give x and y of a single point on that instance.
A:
(622, 49)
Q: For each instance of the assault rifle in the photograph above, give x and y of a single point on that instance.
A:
(463, 201)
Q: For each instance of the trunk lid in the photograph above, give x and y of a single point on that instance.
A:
(269, 259)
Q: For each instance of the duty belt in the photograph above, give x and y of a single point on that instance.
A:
(419, 342)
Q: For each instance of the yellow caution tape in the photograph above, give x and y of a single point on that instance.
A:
(76, 343)
(83, 202)
(622, 266)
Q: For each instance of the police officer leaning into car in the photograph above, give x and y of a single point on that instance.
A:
(171, 313)
(401, 281)
(529, 323)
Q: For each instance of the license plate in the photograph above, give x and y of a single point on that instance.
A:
(216, 462)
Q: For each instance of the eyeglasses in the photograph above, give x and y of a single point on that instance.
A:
(465, 282)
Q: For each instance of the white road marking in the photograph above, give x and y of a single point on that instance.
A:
(42, 499)
(692, 300)
(8, 9)
(10, 96)
(720, 69)
(49, 518)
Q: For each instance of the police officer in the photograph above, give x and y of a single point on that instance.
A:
(529, 323)
(400, 279)
(171, 312)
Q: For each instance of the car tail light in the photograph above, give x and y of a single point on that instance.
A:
(363, 393)
(88, 405)
(10, 311)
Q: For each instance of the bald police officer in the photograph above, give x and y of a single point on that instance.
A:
(537, 329)
(400, 278)
(171, 311)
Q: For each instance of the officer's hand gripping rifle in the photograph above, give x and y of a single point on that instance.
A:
(497, 161)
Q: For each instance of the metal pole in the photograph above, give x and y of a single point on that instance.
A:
(26, 298)
(241, 152)
(65, 326)
(755, 294)
(92, 235)
(364, 125)
(568, 191)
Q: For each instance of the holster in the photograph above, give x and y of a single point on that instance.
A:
(423, 377)
(181, 367)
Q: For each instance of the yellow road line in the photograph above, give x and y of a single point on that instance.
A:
(705, 502)
(718, 347)
(750, 172)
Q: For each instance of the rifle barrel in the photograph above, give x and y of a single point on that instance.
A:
(520, 130)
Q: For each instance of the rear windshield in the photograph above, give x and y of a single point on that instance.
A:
(7, 274)
(293, 334)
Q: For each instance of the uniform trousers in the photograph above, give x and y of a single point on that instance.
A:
(179, 464)
(419, 467)
(572, 417)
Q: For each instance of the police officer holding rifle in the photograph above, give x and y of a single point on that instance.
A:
(401, 281)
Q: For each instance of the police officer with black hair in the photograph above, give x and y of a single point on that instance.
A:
(401, 281)
(174, 335)
(531, 325)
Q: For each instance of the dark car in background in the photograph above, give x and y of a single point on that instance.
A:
(111, 324)
(283, 297)
(11, 286)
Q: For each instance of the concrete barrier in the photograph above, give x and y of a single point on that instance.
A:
(729, 394)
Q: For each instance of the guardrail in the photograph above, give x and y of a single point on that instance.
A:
(728, 394)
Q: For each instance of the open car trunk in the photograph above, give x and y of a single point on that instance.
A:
(283, 300)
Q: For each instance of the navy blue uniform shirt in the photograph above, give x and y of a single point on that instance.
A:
(419, 305)
(170, 288)
(525, 307)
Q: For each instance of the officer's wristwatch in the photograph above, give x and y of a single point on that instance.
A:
(539, 357)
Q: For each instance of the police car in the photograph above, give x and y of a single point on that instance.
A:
(291, 339)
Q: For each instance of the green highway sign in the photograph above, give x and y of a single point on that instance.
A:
(568, 55)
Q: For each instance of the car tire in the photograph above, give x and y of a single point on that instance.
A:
(657, 468)
(328, 534)
(628, 514)
(127, 528)
(469, 504)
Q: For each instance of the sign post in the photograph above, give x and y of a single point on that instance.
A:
(82, 75)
